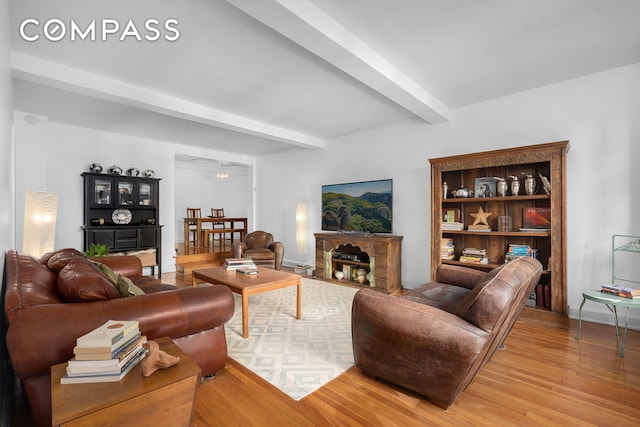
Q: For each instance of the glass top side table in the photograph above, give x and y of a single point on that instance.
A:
(612, 302)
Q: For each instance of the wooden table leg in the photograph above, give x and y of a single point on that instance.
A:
(193, 280)
(299, 301)
(245, 315)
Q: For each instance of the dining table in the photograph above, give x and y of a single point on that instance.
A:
(229, 225)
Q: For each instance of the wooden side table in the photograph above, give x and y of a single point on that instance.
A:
(166, 397)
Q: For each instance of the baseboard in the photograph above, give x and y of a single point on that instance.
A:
(605, 317)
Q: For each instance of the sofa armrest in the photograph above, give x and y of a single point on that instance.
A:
(127, 265)
(35, 346)
(414, 345)
(459, 276)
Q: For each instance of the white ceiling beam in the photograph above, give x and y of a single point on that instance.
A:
(307, 25)
(56, 75)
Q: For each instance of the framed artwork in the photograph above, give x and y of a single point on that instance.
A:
(451, 215)
(485, 187)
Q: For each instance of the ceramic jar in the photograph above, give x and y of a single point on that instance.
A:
(501, 187)
(515, 185)
(530, 185)
(462, 192)
(361, 275)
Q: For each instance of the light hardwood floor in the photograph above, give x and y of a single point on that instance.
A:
(544, 377)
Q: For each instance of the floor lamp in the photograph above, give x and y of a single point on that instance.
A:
(40, 209)
(301, 235)
(301, 228)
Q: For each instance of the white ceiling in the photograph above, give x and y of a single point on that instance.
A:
(261, 76)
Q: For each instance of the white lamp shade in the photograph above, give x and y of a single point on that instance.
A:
(40, 209)
(301, 228)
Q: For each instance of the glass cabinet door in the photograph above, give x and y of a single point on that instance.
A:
(125, 193)
(145, 194)
(102, 192)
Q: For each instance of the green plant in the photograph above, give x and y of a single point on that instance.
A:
(97, 250)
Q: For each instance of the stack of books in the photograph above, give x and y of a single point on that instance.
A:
(106, 354)
(517, 251)
(474, 256)
(447, 248)
(236, 263)
(621, 291)
(543, 296)
(452, 226)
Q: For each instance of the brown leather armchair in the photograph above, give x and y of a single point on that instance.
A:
(435, 339)
(260, 247)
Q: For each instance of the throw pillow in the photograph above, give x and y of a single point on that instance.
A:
(80, 281)
(107, 271)
(127, 288)
(60, 258)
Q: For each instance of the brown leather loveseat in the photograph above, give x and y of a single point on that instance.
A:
(52, 301)
(434, 339)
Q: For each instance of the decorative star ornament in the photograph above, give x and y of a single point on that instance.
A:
(480, 217)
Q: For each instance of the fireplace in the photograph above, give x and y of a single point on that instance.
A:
(376, 257)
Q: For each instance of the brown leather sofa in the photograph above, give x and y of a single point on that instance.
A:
(434, 339)
(43, 324)
(261, 248)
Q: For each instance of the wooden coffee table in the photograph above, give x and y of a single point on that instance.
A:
(245, 285)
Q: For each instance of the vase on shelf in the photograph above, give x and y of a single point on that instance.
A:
(515, 185)
(339, 274)
(361, 275)
(501, 187)
(529, 185)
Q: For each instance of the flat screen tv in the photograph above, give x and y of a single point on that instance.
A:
(363, 207)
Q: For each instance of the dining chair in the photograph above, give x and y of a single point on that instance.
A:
(220, 226)
(217, 213)
(193, 213)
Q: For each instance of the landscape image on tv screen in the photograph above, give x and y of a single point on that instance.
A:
(357, 206)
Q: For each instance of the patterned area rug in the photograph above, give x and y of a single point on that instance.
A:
(297, 356)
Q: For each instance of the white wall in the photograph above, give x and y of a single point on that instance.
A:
(51, 156)
(6, 155)
(597, 113)
(6, 152)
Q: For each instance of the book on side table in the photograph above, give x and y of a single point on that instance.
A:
(621, 291)
(106, 354)
(108, 334)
